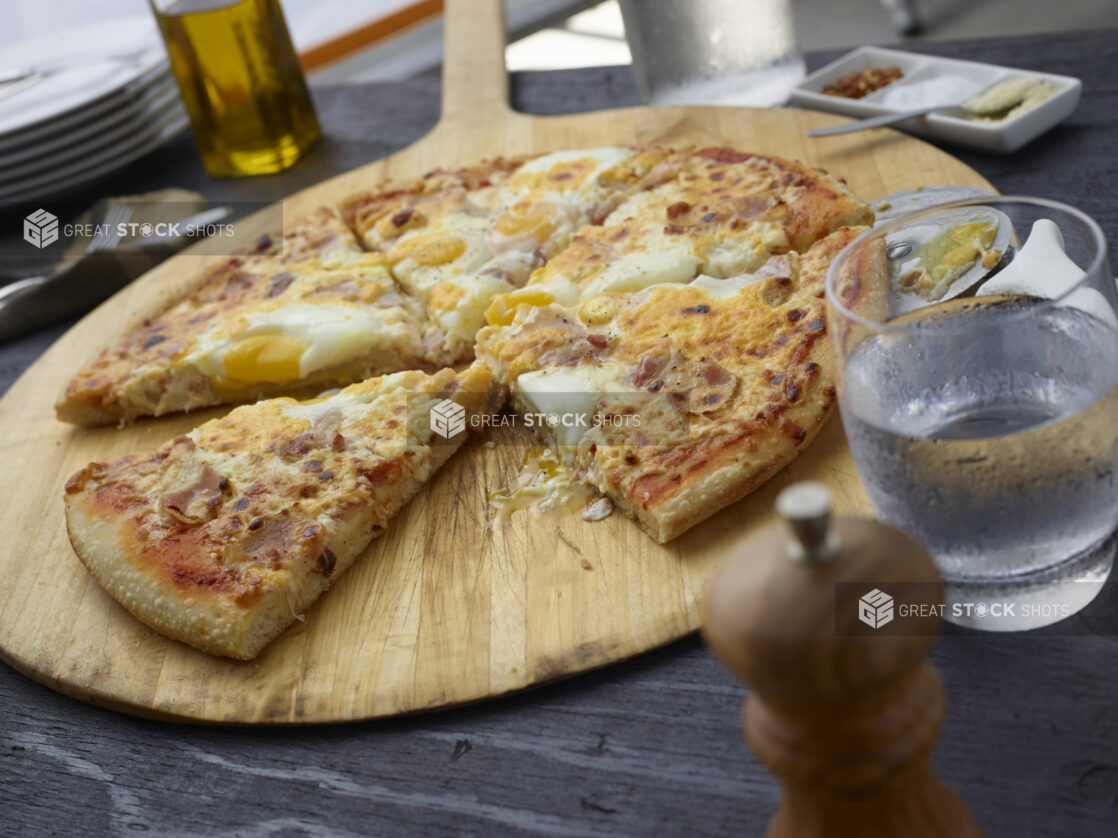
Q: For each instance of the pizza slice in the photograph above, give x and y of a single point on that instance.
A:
(257, 327)
(710, 211)
(320, 234)
(691, 395)
(223, 536)
(455, 240)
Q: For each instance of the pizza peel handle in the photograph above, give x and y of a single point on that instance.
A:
(475, 99)
(475, 82)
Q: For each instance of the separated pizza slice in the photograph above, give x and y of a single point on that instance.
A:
(691, 395)
(256, 327)
(222, 537)
(710, 211)
(456, 240)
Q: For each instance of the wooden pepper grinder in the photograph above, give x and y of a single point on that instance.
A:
(845, 715)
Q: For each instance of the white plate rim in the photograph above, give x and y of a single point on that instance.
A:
(140, 111)
(45, 188)
(53, 47)
(116, 99)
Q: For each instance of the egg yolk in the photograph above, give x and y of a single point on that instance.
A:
(428, 252)
(598, 310)
(271, 358)
(439, 252)
(445, 296)
(503, 308)
(527, 217)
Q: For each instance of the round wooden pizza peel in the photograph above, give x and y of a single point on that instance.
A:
(442, 609)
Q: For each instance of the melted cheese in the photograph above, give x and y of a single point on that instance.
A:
(550, 197)
(544, 484)
(720, 289)
(457, 246)
(637, 271)
(312, 410)
(563, 175)
(345, 277)
(458, 305)
(571, 394)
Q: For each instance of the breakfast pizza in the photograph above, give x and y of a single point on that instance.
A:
(456, 240)
(224, 536)
(674, 297)
(400, 278)
(716, 212)
(693, 394)
(257, 327)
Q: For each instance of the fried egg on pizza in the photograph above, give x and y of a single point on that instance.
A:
(710, 211)
(257, 327)
(727, 378)
(457, 240)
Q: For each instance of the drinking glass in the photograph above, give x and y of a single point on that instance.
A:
(718, 52)
(985, 423)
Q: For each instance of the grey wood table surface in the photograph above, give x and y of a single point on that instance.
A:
(648, 747)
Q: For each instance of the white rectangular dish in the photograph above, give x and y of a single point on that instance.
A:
(920, 72)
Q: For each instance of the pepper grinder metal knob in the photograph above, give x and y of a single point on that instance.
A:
(846, 717)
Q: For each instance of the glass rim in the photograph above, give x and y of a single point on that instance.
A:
(992, 201)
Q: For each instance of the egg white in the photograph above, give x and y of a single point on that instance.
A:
(330, 333)
(587, 188)
(419, 279)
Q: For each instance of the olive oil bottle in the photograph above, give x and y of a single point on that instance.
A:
(241, 83)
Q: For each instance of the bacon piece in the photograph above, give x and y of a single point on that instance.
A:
(697, 386)
(200, 499)
(279, 284)
(576, 350)
(753, 206)
(598, 213)
(284, 537)
(321, 435)
(724, 155)
(783, 264)
(648, 369)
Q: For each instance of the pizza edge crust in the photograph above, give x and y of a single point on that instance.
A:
(701, 498)
(196, 390)
(108, 548)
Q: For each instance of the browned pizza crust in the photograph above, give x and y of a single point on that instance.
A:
(735, 385)
(160, 367)
(710, 211)
(622, 251)
(222, 538)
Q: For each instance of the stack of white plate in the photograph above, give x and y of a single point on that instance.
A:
(95, 98)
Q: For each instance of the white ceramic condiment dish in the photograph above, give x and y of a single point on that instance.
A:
(928, 75)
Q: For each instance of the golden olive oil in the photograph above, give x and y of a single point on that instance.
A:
(241, 83)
